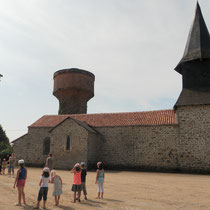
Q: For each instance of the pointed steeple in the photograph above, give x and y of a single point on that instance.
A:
(198, 42)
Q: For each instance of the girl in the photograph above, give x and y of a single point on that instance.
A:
(44, 180)
(20, 182)
(57, 186)
(3, 166)
(100, 179)
(77, 186)
(83, 179)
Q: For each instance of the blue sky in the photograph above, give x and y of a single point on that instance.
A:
(132, 47)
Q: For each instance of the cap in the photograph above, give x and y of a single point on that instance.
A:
(20, 161)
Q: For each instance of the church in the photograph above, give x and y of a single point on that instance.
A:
(164, 140)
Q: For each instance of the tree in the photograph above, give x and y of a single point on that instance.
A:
(3, 136)
(5, 147)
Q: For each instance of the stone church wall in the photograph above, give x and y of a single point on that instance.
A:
(194, 137)
(140, 147)
(63, 158)
(34, 149)
(20, 147)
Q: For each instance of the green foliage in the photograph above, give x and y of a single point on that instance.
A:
(3, 137)
(5, 147)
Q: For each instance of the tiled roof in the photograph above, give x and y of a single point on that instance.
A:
(161, 117)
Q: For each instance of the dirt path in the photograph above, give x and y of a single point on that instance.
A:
(123, 190)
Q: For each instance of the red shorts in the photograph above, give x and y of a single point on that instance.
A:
(21, 183)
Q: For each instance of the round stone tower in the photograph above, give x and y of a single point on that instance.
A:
(73, 88)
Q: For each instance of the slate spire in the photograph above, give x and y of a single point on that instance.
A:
(198, 42)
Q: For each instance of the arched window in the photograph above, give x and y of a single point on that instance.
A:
(68, 143)
(46, 146)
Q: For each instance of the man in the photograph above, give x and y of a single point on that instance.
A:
(49, 162)
(12, 161)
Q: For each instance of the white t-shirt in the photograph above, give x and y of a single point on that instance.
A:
(45, 181)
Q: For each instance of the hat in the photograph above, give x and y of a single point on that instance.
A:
(20, 161)
(98, 164)
(46, 169)
(76, 165)
(82, 163)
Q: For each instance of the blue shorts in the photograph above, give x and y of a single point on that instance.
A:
(11, 168)
(42, 193)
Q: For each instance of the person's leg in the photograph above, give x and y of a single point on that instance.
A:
(58, 199)
(40, 195)
(19, 195)
(79, 193)
(99, 190)
(55, 200)
(9, 170)
(102, 190)
(45, 196)
(84, 190)
(74, 201)
(23, 195)
(13, 170)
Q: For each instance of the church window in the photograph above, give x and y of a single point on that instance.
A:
(46, 146)
(68, 143)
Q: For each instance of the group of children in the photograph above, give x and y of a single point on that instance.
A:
(79, 183)
(9, 163)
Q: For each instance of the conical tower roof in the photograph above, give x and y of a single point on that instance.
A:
(198, 42)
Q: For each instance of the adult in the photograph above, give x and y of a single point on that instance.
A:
(11, 167)
(49, 162)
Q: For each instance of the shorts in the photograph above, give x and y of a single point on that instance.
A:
(84, 188)
(76, 188)
(21, 183)
(11, 168)
(42, 193)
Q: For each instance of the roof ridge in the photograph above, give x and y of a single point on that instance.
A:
(68, 115)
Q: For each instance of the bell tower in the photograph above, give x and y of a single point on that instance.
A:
(195, 64)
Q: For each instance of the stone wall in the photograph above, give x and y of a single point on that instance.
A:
(19, 147)
(140, 147)
(95, 142)
(65, 159)
(34, 150)
(194, 137)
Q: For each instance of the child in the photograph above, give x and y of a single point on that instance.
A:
(0, 165)
(83, 179)
(77, 186)
(57, 186)
(44, 180)
(3, 166)
(100, 179)
(20, 182)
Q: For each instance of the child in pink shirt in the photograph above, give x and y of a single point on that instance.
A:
(77, 185)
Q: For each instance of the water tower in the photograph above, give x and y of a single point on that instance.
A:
(73, 88)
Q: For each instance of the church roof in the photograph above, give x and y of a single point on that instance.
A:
(160, 117)
(198, 42)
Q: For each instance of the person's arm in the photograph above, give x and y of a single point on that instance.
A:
(46, 164)
(26, 174)
(52, 179)
(16, 179)
(72, 170)
(97, 176)
(103, 174)
(40, 182)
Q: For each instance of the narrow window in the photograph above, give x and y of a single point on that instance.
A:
(46, 146)
(68, 143)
